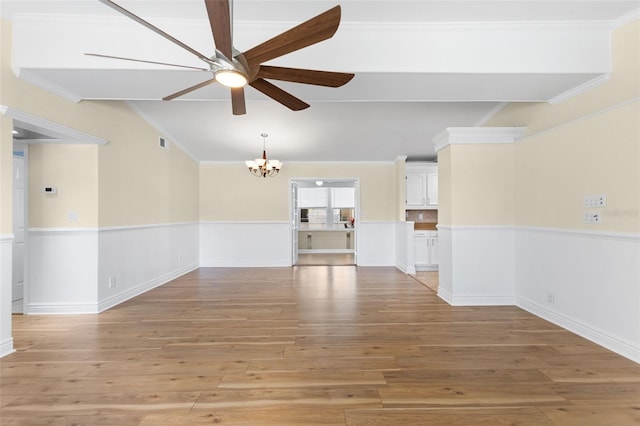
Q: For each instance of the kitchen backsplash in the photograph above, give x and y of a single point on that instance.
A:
(428, 216)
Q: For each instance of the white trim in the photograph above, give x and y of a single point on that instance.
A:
(477, 135)
(59, 131)
(151, 225)
(6, 347)
(582, 118)
(17, 306)
(618, 236)
(7, 238)
(33, 78)
(632, 16)
(481, 300)
(619, 346)
(63, 230)
(61, 308)
(445, 295)
(582, 88)
(144, 287)
(488, 116)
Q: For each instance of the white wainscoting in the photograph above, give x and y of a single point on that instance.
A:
(242, 244)
(6, 264)
(405, 254)
(79, 271)
(62, 271)
(586, 282)
(135, 259)
(376, 243)
(245, 244)
(477, 265)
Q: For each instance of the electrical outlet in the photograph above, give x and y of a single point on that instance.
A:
(551, 298)
(112, 282)
(595, 201)
(591, 217)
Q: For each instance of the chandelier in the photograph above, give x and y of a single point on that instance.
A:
(262, 167)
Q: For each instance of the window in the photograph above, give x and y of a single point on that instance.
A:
(326, 205)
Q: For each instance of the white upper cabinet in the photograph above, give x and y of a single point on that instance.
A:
(421, 186)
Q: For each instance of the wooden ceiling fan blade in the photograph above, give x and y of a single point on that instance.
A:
(220, 22)
(309, 32)
(145, 62)
(237, 101)
(298, 75)
(153, 28)
(189, 89)
(279, 95)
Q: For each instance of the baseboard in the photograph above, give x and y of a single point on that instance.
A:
(61, 308)
(618, 346)
(6, 347)
(114, 300)
(410, 270)
(222, 263)
(472, 300)
(17, 306)
(445, 295)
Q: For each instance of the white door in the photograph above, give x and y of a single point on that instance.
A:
(295, 211)
(17, 288)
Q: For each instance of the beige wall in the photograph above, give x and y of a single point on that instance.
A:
(141, 183)
(476, 185)
(600, 155)
(588, 145)
(228, 192)
(73, 170)
(137, 182)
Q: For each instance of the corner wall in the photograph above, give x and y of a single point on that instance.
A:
(128, 190)
(584, 277)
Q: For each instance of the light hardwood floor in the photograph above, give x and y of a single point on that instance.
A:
(325, 259)
(309, 346)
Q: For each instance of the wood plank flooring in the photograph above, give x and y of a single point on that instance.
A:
(332, 345)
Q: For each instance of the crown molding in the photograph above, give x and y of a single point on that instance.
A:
(591, 84)
(477, 135)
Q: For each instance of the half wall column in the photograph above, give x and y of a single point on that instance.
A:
(476, 173)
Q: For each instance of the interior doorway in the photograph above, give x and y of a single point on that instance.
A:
(324, 220)
(19, 227)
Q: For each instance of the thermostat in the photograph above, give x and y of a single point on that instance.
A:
(49, 190)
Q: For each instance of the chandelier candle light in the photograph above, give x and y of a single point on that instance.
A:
(262, 167)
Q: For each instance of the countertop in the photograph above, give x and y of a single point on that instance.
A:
(338, 227)
(425, 226)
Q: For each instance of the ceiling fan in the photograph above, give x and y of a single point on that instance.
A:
(236, 69)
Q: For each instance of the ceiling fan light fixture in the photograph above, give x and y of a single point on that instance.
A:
(231, 78)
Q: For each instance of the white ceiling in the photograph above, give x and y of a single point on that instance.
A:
(421, 66)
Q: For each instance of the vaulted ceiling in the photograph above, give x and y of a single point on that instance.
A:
(421, 66)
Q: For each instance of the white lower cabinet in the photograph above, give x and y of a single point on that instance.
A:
(426, 250)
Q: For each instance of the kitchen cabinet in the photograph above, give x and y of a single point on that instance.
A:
(421, 186)
(426, 250)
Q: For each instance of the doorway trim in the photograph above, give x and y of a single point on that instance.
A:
(293, 214)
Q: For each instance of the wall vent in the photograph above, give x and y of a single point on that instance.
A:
(164, 144)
